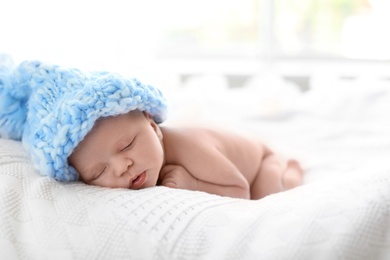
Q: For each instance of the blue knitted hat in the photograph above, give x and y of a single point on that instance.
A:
(52, 108)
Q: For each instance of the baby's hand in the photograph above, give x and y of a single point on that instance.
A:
(175, 176)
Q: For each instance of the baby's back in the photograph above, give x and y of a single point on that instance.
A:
(245, 153)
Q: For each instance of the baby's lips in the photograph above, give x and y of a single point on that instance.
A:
(137, 181)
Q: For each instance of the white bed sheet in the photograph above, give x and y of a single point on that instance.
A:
(341, 135)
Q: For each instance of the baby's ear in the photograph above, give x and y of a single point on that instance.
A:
(153, 124)
(147, 116)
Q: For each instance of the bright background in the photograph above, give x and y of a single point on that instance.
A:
(122, 31)
(206, 46)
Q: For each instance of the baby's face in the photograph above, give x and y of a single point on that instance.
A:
(125, 151)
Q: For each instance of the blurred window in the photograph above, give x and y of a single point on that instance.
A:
(274, 29)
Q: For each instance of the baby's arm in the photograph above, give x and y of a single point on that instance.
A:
(196, 156)
(176, 176)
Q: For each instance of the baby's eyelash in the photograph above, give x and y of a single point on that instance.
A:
(100, 174)
(129, 145)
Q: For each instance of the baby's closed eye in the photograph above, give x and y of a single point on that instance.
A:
(129, 145)
(98, 174)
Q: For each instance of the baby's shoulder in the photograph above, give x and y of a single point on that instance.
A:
(182, 145)
(189, 135)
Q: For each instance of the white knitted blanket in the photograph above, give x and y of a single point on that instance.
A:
(43, 219)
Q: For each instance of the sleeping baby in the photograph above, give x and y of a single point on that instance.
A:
(104, 129)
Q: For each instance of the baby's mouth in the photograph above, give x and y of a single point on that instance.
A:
(138, 181)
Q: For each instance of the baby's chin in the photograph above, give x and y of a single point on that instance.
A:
(151, 180)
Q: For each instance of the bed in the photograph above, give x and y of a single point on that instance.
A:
(339, 130)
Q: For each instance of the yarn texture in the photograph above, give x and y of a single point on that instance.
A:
(52, 108)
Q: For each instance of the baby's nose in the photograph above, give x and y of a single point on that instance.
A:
(121, 165)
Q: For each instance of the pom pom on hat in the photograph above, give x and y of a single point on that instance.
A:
(13, 108)
(52, 108)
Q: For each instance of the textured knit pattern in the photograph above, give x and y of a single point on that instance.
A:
(52, 108)
(44, 219)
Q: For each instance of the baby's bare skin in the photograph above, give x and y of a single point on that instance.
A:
(224, 163)
(132, 151)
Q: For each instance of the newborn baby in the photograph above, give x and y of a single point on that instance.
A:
(132, 151)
